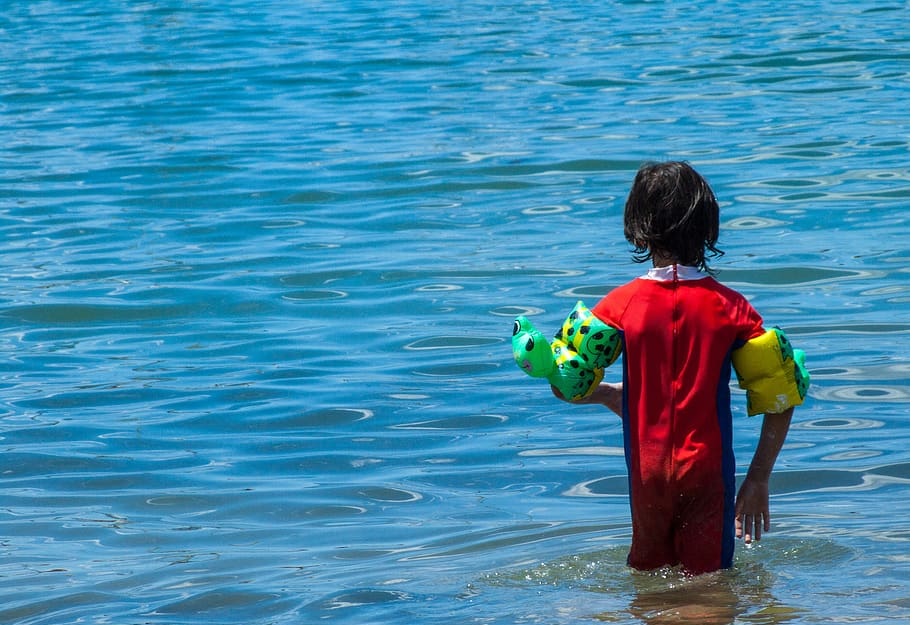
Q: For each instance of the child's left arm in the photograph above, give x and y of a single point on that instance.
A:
(752, 506)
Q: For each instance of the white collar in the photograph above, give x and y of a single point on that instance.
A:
(674, 272)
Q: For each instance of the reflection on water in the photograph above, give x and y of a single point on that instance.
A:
(714, 599)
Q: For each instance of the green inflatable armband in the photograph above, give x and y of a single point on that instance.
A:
(574, 360)
(584, 333)
(772, 373)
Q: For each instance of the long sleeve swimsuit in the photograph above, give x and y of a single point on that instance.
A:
(679, 327)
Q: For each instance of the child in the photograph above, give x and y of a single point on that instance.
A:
(679, 327)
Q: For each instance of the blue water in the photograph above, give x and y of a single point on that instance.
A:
(260, 264)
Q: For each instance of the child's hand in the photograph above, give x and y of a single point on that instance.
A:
(752, 509)
(609, 395)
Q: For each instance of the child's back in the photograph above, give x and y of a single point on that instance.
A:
(678, 329)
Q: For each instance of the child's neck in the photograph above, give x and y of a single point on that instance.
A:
(663, 260)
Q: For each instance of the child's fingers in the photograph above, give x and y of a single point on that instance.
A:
(750, 527)
(757, 522)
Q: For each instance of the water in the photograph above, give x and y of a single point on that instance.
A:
(260, 263)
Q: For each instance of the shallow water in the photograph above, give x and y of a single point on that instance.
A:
(261, 262)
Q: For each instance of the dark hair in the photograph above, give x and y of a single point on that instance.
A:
(672, 210)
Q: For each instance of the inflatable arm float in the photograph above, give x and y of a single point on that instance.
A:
(573, 362)
(772, 373)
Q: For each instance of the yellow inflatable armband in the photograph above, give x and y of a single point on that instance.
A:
(772, 373)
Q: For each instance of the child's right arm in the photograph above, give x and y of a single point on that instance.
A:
(609, 395)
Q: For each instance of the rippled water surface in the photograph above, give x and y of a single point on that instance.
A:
(260, 264)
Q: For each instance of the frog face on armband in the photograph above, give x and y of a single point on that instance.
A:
(532, 350)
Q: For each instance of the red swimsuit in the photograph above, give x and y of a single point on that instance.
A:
(679, 328)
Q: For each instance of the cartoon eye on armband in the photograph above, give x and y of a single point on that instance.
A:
(574, 360)
(772, 373)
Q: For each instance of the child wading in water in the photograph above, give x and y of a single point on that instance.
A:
(679, 327)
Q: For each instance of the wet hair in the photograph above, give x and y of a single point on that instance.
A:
(672, 210)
